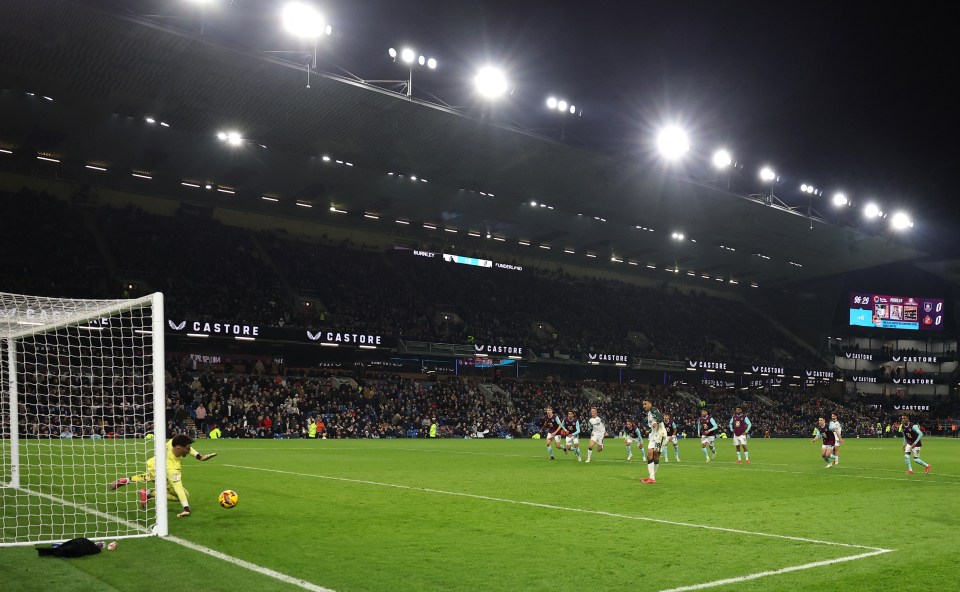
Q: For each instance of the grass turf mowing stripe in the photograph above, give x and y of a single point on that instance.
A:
(561, 508)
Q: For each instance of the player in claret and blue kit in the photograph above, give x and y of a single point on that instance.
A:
(631, 434)
(707, 429)
(912, 443)
(829, 438)
(671, 427)
(740, 426)
(571, 425)
(550, 427)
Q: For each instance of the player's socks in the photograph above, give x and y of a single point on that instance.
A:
(652, 469)
(833, 458)
(577, 450)
(906, 457)
(746, 455)
(550, 451)
(921, 463)
(706, 454)
(738, 455)
(589, 453)
(629, 452)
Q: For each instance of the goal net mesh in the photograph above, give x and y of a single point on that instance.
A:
(77, 412)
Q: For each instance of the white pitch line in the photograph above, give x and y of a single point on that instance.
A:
(300, 583)
(561, 508)
(837, 471)
(776, 572)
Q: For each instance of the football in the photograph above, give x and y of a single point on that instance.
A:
(228, 499)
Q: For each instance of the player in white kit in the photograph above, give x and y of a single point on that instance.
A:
(597, 431)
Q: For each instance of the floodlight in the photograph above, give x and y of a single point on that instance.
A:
(672, 142)
(573, 109)
(408, 55)
(871, 210)
(490, 82)
(900, 221)
(328, 30)
(722, 159)
(840, 199)
(803, 188)
(234, 139)
(392, 53)
(767, 174)
(562, 105)
(303, 20)
(432, 63)
(421, 60)
(552, 102)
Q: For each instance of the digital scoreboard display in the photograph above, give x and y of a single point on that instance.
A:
(896, 312)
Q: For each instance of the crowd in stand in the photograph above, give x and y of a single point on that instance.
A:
(210, 271)
(265, 404)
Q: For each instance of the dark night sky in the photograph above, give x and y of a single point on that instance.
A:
(858, 96)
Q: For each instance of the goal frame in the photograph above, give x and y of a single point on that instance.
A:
(160, 526)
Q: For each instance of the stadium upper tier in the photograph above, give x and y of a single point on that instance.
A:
(210, 271)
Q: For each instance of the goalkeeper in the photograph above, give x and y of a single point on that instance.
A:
(177, 448)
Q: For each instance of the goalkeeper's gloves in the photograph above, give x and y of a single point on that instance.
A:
(184, 513)
(206, 456)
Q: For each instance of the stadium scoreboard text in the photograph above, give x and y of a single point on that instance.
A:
(896, 312)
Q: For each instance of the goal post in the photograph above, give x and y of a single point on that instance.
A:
(82, 404)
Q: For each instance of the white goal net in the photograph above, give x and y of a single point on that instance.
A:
(81, 404)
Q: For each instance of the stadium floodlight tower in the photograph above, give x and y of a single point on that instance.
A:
(490, 82)
(304, 21)
(409, 57)
(673, 142)
(82, 402)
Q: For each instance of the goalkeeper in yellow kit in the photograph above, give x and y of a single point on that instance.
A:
(177, 448)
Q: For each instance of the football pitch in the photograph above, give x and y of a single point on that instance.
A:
(479, 515)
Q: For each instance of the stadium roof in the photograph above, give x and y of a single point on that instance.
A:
(106, 73)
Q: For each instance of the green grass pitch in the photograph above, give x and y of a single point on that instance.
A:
(485, 515)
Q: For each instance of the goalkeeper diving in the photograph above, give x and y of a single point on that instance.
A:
(178, 447)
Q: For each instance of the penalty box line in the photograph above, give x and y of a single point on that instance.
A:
(563, 508)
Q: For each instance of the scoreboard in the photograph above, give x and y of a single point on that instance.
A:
(896, 312)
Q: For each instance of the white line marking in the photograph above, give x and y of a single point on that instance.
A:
(776, 572)
(200, 548)
(251, 566)
(839, 472)
(562, 508)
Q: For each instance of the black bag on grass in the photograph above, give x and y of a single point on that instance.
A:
(71, 548)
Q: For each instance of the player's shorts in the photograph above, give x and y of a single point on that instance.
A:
(656, 440)
(826, 448)
(573, 440)
(907, 449)
(597, 439)
(707, 439)
(628, 441)
(671, 440)
(740, 440)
